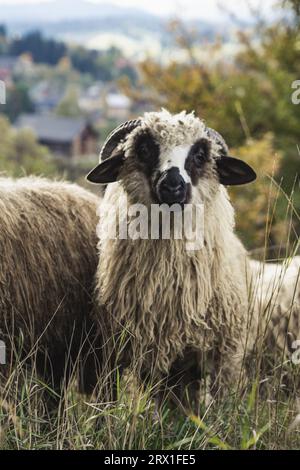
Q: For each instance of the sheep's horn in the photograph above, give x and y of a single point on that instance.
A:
(219, 139)
(116, 136)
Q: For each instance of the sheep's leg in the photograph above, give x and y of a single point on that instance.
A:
(55, 371)
(184, 382)
(228, 373)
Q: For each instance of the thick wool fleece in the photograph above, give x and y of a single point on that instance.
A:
(170, 301)
(48, 262)
(277, 304)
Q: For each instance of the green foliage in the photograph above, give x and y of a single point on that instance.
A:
(69, 104)
(258, 201)
(17, 100)
(3, 31)
(244, 100)
(3, 39)
(273, 68)
(238, 422)
(86, 62)
(102, 66)
(294, 5)
(20, 154)
(43, 50)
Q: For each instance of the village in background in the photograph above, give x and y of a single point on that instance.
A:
(64, 94)
(66, 101)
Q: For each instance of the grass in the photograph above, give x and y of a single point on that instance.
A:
(237, 422)
(264, 416)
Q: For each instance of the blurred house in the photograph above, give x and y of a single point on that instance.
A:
(64, 136)
(7, 68)
(117, 106)
(46, 96)
(104, 102)
(25, 66)
(91, 99)
(11, 66)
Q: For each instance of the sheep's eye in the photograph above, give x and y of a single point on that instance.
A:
(200, 152)
(200, 156)
(146, 148)
(144, 151)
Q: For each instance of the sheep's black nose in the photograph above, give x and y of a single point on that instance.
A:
(172, 188)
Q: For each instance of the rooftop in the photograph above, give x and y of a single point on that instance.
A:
(49, 127)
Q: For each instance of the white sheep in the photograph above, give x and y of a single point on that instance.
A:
(185, 312)
(276, 299)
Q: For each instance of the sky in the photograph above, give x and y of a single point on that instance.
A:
(205, 9)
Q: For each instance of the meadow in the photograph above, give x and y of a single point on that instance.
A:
(248, 100)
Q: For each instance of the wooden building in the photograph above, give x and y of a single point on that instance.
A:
(64, 136)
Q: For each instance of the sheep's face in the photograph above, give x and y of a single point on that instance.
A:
(172, 159)
(171, 175)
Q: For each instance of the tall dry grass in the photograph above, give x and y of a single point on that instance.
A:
(264, 415)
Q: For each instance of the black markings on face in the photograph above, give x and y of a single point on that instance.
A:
(147, 151)
(195, 163)
(197, 159)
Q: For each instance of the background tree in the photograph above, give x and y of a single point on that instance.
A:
(69, 104)
(248, 101)
(3, 39)
(20, 154)
(17, 100)
(47, 51)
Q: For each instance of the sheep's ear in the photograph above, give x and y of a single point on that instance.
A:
(233, 171)
(107, 171)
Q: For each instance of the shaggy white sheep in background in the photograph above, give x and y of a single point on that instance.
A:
(185, 312)
(276, 296)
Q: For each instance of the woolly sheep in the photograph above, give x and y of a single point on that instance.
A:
(48, 262)
(276, 294)
(183, 311)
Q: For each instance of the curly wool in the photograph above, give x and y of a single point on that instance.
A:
(48, 262)
(277, 303)
(171, 130)
(169, 299)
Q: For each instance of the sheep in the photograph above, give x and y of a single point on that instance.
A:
(276, 297)
(48, 263)
(184, 311)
